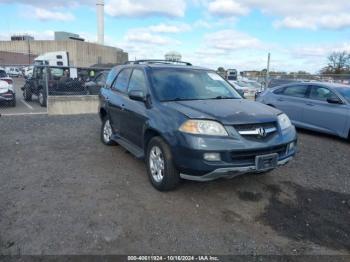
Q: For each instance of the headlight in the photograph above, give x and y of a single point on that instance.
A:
(203, 127)
(284, 121)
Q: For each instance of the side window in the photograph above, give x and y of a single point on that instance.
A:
(321, 93)
(98, 78)
(279, 91)
(137, 81)
(121, 83)
(295, 91)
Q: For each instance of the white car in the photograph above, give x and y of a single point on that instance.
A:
(13, 71)
(7, 93)
(247, 87)
(4, 76)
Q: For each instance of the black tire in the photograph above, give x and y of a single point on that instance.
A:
(42, 98)
(13, 102)
(171, 177)
(107, 142)
(27, 94)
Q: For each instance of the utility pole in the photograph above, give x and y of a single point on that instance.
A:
(28, 40)
(268, 69)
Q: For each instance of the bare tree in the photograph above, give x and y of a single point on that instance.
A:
(338, 62)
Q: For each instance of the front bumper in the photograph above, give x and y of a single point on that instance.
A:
(238, 154)
(229, 172)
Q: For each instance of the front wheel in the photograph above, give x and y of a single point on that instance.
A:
(107, 132)
(160, 167)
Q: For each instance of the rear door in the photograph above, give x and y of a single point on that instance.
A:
(291, 100)
(116, 99)
(134, 114)
(323, 116)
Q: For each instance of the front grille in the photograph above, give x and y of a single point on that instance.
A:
(247, 157)
(248, 130)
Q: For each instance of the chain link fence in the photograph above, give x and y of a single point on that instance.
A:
(30, 94)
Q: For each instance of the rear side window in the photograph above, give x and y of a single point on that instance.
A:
(295, 91)
(121, 83)
(137, 81)
(321, 93)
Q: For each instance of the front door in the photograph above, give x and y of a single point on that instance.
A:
(320, 114)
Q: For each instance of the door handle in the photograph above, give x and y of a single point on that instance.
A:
(310, 104)
(280, 99)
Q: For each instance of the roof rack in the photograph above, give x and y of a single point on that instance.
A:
(158, 61)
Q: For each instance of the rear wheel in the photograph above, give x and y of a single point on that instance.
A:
(107, 132)
(160, 167)
(42, 98)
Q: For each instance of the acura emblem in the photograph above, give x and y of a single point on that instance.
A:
(262, 132)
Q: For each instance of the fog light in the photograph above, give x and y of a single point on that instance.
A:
(212, 156)
(291, 146)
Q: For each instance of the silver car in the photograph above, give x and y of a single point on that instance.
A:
(322, 107)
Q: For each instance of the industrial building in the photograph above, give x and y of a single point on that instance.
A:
(81, 54)
(21, 50)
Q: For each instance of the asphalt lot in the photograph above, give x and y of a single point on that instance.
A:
(22, 107)
(63, 192)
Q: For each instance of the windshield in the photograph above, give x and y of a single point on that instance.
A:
(345, 92)
(177, 85)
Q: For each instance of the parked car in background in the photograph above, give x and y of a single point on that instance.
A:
(189, 123)
(13, 71)
(4, 76)
(322, 107)
(93, 86)
(7, 93)
(248, 89)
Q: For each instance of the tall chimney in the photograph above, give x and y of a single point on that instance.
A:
(100, 5)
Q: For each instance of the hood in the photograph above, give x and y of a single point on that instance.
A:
(226, 111)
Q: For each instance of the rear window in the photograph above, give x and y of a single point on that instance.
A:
(3, 73)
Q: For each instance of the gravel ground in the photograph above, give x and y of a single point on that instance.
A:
(63, 192)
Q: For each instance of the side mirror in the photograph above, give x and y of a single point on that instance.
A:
(334, 100)
(137, 95)
(100, 83)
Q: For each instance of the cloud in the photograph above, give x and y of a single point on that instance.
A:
(45, 15)
(169, 28)
(142, 36)
(231, 40)
(311, 14)
(144, 8)
(227, 8)
(338, 21)
(49, 3)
